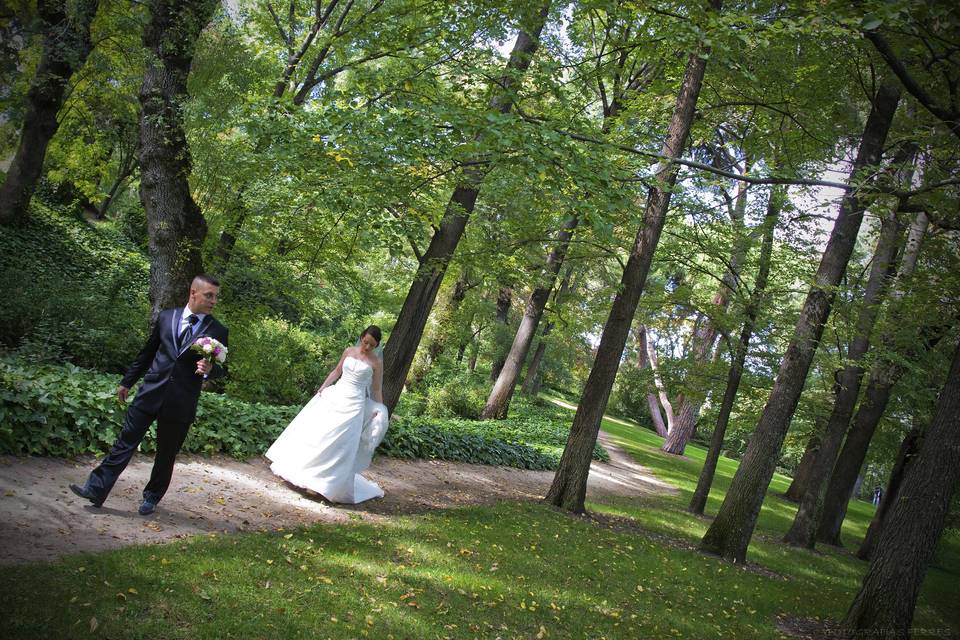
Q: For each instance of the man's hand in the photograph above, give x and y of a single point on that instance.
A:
(122, 392)
(204, 366)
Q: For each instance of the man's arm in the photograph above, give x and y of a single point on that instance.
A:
(142, 361)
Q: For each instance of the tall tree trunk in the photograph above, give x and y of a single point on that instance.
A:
(498, 403)
(730, 533)
(909, 538)
(66, 45)
(405, 337)
(905, 457)
(882, 378)
(570, 482)
(803, 531)
(500, 326)
(531, 383)
(653, 405)
(801, 477)
(175, 225)
(661, 397)
(699, 499)
(879, 388)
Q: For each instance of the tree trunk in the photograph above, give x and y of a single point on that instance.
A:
(175, 225)
(127, 166)
(730, 533)
(501, 324)
(803, 531)
(653, 405)
(405, 337)
(570, 482)
(498, 403)
(801, 477)
(705, 336)
(909, 537)
(877, 395)
(531, 383)
(661, 397)
(699, 500)
(905, 457)
(881, 381)
(66, 45)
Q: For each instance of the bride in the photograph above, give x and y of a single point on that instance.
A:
(333, 438)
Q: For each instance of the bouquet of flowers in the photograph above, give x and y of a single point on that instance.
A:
(210, 348)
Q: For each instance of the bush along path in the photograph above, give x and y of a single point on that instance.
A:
(41, 520)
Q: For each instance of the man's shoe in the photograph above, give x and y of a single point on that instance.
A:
(147, 507)
(85, 493)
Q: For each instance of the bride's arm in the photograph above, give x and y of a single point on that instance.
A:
(376, 391)
(335, 374)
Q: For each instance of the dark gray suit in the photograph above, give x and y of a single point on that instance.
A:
(169, 395)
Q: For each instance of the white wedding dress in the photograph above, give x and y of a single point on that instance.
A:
(332, 439)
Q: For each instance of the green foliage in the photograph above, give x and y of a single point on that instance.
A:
(274, 362)
(66, 411)
(629, 396)
(532, 437)
(72, 291)
(63, 410)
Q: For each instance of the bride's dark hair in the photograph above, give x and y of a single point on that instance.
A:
(372, 330)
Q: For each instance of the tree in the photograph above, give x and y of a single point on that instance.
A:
(569, 486)
(699, 499)
(905, 457)
(175, 224)
(498, 403)
(881, 380)
(890, 588)
(408, 329)
(66, 45)
(803, 530)
(707, 328)
(730, 533)
(877, 395)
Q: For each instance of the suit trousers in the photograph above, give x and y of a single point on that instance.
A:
(170, 437)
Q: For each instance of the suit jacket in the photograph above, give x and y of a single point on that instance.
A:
(171, 383)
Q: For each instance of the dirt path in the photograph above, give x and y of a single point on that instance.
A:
(41, 520)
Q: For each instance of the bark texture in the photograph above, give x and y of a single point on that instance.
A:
(175, 225)
(66, 45)
(408, 330)
(909, 538)
(730, 533)
(801, 478)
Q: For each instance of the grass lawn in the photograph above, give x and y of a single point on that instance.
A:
(510, 571)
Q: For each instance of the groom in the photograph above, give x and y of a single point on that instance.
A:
(169, 394)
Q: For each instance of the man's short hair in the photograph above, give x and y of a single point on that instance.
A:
(204, 277)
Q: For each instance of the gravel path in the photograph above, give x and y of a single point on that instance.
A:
(41, 520)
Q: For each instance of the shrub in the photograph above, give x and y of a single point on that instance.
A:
(273, 362)
(450, 392)
(63, 410)
(66, 411)
(533, 437)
